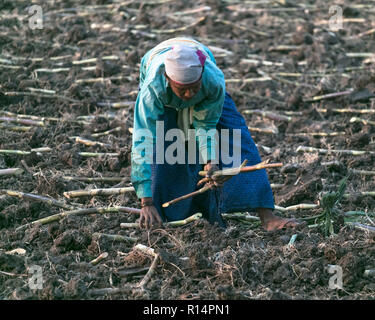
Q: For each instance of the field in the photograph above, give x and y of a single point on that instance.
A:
(76, 79)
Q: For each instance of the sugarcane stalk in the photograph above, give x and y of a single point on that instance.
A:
(15, 128)
(96, 135)
(58, 216)
(22, 121)
(26, 116)
(318, 134)
(17, 152)
(205, 188)
(40, 95)
(110, 291)
(329, 96)
(36, 197)
(93, 80)
(240, 216)
(248, 80)
(252, 95)
(97, 192)
(11, 172)
(94, 179)
(93, 60)
(328, 151)
(361, 226)
(101, 257)
(264, 130)
(116, 105)
(363, 172)
(268, 114)
(259, 166)
(90, 143)
(297, 207)
(177, 223)
(54, 70)
(181, 28)
(346, 110)
(114, 237)
(41, 90)
(97, 154)
(365, 122)
(361, 193)
(200, 191)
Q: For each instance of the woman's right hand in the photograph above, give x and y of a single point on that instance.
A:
(149, 217)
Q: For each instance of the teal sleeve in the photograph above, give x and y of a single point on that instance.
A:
(147, 109)
(205, 118)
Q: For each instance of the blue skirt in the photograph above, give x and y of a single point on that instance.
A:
(243, 192)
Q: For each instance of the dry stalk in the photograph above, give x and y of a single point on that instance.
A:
(35, 197)
(328, 151)
(268, 114)
(97, 192)
(101, 257)
(114, 237)
(11, 172)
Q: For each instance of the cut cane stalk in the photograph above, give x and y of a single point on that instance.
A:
(39, 95)
(116, 105)
(297, 207)
(346, 110)
(369, 273)
(329, 96)
(205, 188)
(259, 166)
(57, 217)
(23, 121)
(269, 114)
(248, 80)
(328, 151)
(36, 197)
(101, 257)
(240, 216)
(181, 28)
(97, 154)
(317, 134)
(110, 291)
(11, 172)
(365, 122)
(97, 192)
(177, 223)
(93, 80)
(115, 237)
(363, 172)
(251, 95)
(90, 143)
(361, 226)
(15, 128)
(94, 60)
(95, 179)
(105, 133)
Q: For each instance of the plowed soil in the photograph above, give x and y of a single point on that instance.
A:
(198, 260)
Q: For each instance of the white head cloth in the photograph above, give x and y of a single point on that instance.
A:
(184, 64)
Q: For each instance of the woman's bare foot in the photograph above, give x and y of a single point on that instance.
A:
(270, 222)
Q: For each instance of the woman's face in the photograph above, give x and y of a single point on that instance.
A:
(183, 91)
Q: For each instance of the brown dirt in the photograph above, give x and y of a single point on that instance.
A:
(198, 261)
